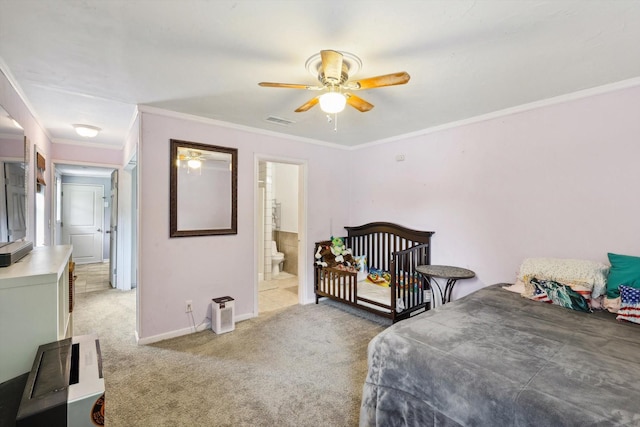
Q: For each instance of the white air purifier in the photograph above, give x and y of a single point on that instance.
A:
(222, 315)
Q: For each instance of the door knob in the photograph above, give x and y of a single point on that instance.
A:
(99, 229)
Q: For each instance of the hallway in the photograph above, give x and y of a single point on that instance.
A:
(91, 277)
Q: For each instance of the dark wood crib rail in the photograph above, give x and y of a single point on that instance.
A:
(378, 240)
(406, 284)
(389, 247)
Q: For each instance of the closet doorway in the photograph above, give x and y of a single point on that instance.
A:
(280, 234)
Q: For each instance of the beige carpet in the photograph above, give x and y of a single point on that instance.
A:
(299, 366)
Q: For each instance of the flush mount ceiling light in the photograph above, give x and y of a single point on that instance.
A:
(86, 130)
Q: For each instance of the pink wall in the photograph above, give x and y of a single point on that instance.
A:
(558, 181)
(201, 268)
(82, 153)
(12, 147)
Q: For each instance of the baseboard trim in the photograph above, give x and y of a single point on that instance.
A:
(306, 301)
(244, 317)
(171, 334)
(185, 331)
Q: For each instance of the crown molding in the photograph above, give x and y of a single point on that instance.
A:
(598, 90)
(229, 125)
(57, 161)
(86, 144)
(4, 69)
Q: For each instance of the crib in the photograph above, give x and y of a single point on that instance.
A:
(390, 247)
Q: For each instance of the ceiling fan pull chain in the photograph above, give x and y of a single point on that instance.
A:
(335, 122)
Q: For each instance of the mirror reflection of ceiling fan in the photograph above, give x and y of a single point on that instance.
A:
(195, 159)
(332, 69)
(192, 158)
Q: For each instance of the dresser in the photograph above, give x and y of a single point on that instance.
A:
(34, 307)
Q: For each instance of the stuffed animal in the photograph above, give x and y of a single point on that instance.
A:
(338, 247)
(341, 252)
(318, 256)
(350, 269)
(324, 255)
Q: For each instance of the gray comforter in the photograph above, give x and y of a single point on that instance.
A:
(494, 358)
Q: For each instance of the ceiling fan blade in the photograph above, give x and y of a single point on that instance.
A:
(289, 85)
(331, 68)
(358, 103)
(308, 105)
(380, 81)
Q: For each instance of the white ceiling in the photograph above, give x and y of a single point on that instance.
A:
(93, 61)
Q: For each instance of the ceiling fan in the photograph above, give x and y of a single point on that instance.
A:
(332, 68)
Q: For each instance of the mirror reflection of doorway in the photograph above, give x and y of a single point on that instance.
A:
(12, 210)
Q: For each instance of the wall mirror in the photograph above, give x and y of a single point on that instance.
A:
(13, 179)
(203, 189)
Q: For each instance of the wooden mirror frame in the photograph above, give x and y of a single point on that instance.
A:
(173, 189)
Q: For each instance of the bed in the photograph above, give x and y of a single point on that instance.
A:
(494, 358)
(387, 247)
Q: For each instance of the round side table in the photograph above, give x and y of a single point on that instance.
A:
(452, 274)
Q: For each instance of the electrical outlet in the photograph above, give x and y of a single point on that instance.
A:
(188, 308)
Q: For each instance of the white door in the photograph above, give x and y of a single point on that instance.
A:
(113, 228)
(82, 219)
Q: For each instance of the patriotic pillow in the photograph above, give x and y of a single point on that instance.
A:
(558, 294)
(629, 305)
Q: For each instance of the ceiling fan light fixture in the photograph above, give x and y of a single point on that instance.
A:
(194, 163)
(333, 69)
(87, 131)
(332, 102)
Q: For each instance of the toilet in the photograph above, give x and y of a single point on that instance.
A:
(277, 258)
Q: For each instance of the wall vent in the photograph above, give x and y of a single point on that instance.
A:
(279, 121)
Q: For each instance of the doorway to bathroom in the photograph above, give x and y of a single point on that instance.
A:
(279, 228)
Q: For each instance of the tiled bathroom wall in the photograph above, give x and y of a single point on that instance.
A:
(265, 177)
(288, 244)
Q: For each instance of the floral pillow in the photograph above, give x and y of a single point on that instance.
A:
(629, 304)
